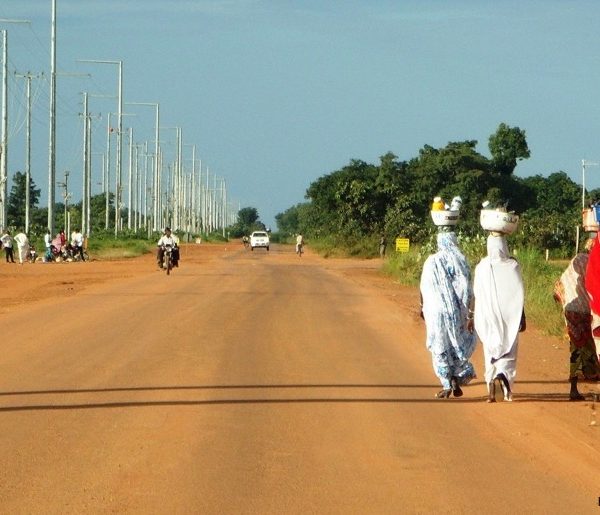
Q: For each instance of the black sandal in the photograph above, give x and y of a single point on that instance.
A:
(456, 390)
(492, 392)
(504, 384)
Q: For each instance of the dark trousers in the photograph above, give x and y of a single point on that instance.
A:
(9, 254)
(161, 252)
(78, 250)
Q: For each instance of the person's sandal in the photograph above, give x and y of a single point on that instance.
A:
(443, 394)
(492, 392)
(456, 390)
(505, 387)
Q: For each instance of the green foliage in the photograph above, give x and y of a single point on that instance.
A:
(539, 277)
(393, 198)
(15, 207)
(288, 222)
(405, 267)
(508, 145)
(247, 222)
(105, 247)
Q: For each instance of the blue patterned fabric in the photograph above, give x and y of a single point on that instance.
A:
(446, 292)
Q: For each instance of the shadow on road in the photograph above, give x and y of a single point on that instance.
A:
(519, 397)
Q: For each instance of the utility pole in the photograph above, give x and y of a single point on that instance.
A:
(118, 176)
(52, 137)
(130, 178)
(4, 133)
(156, 177)
(107, 174)
(66, 195)
(86, 157)
(28, 76)
(4, 143)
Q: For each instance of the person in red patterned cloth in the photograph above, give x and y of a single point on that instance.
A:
(570, 292)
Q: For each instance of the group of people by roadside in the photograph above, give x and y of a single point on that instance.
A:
(55, 248)
(23, 247)
(458, 309)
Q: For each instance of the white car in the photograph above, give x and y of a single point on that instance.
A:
(259, 239)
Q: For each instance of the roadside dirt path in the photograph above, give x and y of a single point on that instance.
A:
(255, 382)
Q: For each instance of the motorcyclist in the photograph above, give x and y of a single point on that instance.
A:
(168, 239)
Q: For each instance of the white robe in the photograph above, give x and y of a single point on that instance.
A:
(499, 299)
(22, 246)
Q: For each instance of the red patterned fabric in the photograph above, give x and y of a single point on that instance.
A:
(592, 277)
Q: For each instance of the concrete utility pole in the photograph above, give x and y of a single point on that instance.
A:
(4, 133)
(156, 177)
(66, 196)
(118, 175)
(52, 137)
(86, 158)
(28, 77)
(107, 173)
(130, 179)
(4, 142)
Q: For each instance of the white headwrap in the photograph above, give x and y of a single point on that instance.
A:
(499, 298)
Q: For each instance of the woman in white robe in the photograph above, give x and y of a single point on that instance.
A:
(499, 315)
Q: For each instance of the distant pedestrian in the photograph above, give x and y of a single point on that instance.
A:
(48, 245)
(299, 244)
(499, 314)
(7, 244)
(382, 246)
(570, 291)
(63, 238)
(22, 246)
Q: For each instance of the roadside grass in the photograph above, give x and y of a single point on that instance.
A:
(327, 247)
(539, 277)
(107, 249)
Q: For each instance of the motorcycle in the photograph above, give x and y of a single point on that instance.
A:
(32, 254)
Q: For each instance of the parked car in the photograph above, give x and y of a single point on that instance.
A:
(259, 239)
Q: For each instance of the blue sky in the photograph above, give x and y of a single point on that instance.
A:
(276, 93)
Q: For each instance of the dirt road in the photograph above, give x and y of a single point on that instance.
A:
(255, 382)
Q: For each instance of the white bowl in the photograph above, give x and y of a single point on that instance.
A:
(444, 218)
(498, 221)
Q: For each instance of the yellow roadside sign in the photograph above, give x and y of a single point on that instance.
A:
(402, 244)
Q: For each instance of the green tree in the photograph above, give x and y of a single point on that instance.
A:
(288, 222)
(247, 222)
(15, 208)
(508, 145)
(556, 193)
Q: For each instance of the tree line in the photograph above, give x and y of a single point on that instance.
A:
(393, 198)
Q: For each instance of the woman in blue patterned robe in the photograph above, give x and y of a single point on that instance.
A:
(446, 296)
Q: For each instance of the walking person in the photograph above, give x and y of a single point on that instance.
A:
(446, 296)
(570, 292)
(299, 244)
(7, 244)
(22, 246)
(48, 244)
(498, 314)
(382, 246)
